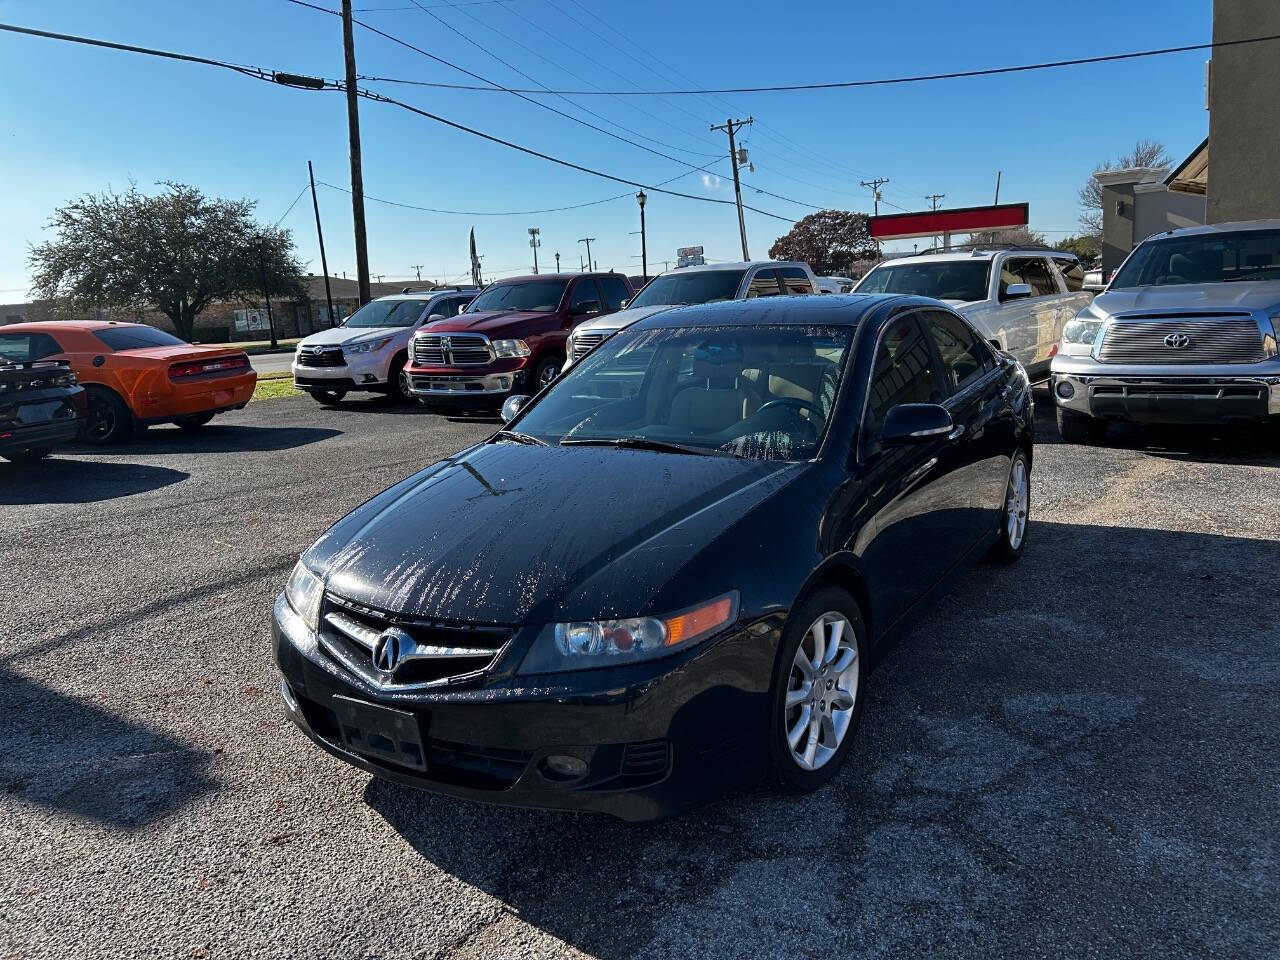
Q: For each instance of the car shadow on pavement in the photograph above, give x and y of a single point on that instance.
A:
(75, 758)
(1062, 751)
(224, 438)
(1238, 443)
(59, 480)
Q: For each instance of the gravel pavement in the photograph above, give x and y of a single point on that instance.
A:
(1077, 756)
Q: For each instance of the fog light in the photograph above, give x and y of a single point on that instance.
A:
(504, 383)
(563, 768)
(1065, 390)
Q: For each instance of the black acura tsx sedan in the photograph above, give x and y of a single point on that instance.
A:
(672, 571)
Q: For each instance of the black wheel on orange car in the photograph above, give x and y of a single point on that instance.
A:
(109, 420)
(193, 422)
(28, 455)
(548, 369)
(817, 693)
(328, 398)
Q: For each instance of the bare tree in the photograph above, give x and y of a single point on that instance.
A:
(1145, 153)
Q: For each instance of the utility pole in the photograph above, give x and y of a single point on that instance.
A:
(535, 243)
(587, 241)
(324, 264)
(875, 186)
(731, 126)
(379, 277)
(999, 174)
(417, 268)
(353, 133)
(933, 198)
(266, 294)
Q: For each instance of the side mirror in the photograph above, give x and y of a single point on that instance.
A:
(582, 309)
(1017, 291)
(513, 405)
(434, 317)
(623, 305)
(913, 422)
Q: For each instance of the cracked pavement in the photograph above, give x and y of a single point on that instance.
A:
(1075, 756)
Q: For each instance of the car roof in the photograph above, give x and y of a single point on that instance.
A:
(1232, 226)
(564, 275)
(87, 326)
(979, 254)
(427, 294)
(736, 265)
(830, 309)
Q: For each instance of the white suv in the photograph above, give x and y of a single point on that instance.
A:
(368, 351)
(1019, 299)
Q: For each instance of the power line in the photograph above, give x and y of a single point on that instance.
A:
(294, 204)
(880, 82)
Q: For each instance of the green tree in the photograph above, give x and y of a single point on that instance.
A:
(178, 251)
(830, 241)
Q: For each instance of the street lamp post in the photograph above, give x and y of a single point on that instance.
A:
(644, 253)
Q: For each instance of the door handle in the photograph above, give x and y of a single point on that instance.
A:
(919, 471)
(956, 433)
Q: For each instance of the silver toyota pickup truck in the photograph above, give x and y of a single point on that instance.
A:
(1185, 333)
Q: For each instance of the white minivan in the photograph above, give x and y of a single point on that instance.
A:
(367, 352)
(1019, 299)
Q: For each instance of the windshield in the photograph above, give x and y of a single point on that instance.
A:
(965, 280)
(763, 393)
(1203, 258)
(536, 296)
(388, 313)
(705, 286)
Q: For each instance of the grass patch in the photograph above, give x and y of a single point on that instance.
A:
(272, 386)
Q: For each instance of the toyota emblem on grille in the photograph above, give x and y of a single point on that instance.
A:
(317, 349)
(392, 644)
(1177, 341)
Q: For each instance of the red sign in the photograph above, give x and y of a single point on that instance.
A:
(928, 223)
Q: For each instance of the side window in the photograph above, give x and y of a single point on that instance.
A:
(1032, 270)
(795, 280)
(27, 347)
(965, 358)
(764, 284)
(583, 294)
(1072, 272)
(615, 291)
(903, 372)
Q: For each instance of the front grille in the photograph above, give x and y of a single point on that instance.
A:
(1183, 338)
(327, 357)
(451, 350)
(439, 654)
(583, 343)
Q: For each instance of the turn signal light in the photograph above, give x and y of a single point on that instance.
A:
(699, 621)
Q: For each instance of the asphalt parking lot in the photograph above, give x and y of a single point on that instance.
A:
(1075, 756)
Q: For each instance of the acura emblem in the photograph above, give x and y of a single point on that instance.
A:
(392, 644)
(1177, 341)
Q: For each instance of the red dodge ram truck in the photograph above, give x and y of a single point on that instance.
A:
(510, 339)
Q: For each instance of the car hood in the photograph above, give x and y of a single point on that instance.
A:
(1239, 295)
(506, 533)
(622, 318)
(486, 321)
(344, 335)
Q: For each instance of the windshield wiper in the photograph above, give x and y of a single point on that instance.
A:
(515, 437)
(636, 443)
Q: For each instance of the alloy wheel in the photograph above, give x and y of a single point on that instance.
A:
(402, 379)
(1016, 502)
(102, 419)
(822, 689)
(548, 373)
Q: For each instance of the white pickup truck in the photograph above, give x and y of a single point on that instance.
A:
(1019, 299)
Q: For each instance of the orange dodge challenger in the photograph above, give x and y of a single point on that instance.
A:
(136, 375)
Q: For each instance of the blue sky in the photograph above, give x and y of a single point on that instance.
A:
(82, 120)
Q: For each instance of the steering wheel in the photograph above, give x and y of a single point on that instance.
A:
(796, 403)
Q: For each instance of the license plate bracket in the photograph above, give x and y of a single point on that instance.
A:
(46, 411)
(380, 733)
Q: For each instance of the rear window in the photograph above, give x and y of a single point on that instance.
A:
(136, 338)
(796, 280)
(1072, 272)
(26, 347)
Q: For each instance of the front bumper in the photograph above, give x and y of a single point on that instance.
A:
(1167, 394)
(359, 371)
(453, 387)
(655, 742)
(46, 417)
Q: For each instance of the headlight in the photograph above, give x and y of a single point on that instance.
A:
(367, 346)
(1275, 335)
(65, 380)
(603, 643)
(1083, 329)
(304, 592)
(510, 348)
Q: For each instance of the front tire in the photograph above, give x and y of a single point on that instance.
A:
(109, 419)
(398, 381)
(28, 455)
(1015, 512)
(1080, 427)
(546, 371)
(818, 690)
(328, 398)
